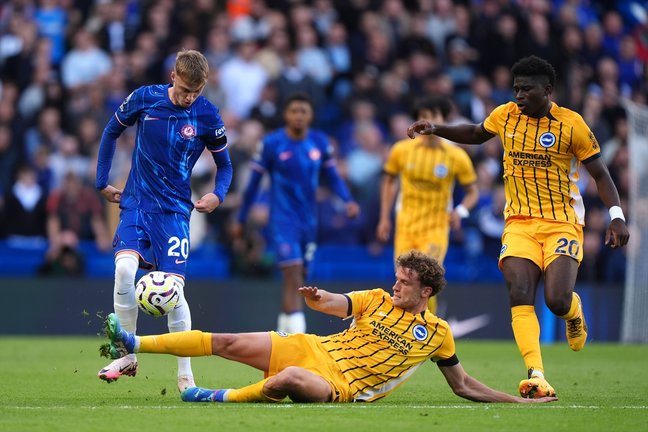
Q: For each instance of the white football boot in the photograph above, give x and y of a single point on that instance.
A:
(126, 365)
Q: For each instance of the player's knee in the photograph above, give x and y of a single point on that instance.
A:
(126, 267)
(176, 325)
(520, 293)
(288, 380)
(225, 344)
(558, 304)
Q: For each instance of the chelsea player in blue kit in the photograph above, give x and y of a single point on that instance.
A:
(294, 157)
(174, 126)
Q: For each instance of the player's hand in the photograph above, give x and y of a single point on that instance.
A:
(111, 193)
(207, 203)
(422, 127)
(383, 230)
(617, 234)
(455, 221)
(352, 209)
(309, 293)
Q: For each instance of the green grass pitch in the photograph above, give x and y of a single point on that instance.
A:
(50, 384)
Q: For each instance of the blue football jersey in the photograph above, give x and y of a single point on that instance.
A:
(294, 167)
(169, 141)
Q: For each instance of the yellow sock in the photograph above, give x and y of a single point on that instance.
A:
(192, 343)
(526, 330)
(573, 309)
(251, 393)
(432, 304)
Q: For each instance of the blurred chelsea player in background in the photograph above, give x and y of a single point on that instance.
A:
(294, 157)
(174, 125)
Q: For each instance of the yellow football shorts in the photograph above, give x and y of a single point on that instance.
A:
(433, 243)
(305, 351)
(541, 240)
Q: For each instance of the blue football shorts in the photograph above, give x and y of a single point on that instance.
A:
(293, 245)
(160, 239)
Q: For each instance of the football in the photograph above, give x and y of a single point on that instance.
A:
(157, 293)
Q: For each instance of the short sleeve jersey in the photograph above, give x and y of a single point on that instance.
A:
(427, 176)
(541, 161)
(385, 344)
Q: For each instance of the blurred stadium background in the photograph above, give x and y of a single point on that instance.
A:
(66, 65)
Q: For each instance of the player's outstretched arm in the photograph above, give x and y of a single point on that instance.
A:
(461, 133)
(469, 388)
(324, 301)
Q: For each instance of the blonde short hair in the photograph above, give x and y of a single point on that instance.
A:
(192, 67)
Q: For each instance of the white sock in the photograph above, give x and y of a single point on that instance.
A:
(537, 374)
(179, 319)
(282, 323)
(124, 292)
(296, 323)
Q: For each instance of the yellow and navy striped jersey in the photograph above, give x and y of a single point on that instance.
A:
(385, 344)
(427, 176)
(541, 161)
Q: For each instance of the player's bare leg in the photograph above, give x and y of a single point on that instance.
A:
(252, 349)
(294, 382)
(291, 319)
(560, 279)
(299, 385)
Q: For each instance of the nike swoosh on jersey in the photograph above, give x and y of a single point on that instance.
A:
(180, 261)
(148, 117)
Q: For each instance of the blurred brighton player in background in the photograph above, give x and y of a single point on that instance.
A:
(428, 168)
(544, 145)
(389, 338)
(295, 157)
(174, 126)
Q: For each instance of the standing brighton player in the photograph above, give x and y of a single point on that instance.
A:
(294, 157)
(428, 168)
(544, 145)
(174, 126)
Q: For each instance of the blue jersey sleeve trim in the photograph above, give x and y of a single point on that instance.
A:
(121, 122)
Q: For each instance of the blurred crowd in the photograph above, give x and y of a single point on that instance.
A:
(66, 65)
